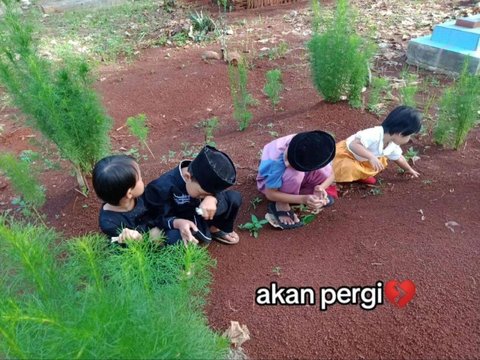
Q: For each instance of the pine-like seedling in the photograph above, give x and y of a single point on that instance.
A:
(273, 86)
(238, 76)
(23, 182)
(339, 57)
(459, 110)
(139, 129)
(57, 99)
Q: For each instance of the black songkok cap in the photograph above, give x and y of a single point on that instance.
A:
(311, 150)
(213, 170)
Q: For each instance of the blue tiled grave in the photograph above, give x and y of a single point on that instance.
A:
(448, 47)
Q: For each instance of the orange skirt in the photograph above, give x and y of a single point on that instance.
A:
(348, 169)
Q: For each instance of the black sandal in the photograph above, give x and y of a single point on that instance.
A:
(273, 217)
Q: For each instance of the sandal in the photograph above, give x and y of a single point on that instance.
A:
(221, 236)
(273, 217)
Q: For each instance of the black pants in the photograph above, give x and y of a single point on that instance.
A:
(228, 204)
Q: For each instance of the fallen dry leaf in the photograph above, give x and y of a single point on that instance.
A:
(237, 334)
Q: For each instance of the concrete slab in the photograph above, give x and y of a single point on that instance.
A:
(448, 47)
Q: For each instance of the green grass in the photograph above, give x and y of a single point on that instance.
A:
(105, 34)
(81, 299)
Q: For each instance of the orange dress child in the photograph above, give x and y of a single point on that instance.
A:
(349, 167)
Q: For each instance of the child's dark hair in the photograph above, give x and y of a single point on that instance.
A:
(113, 176)
(403, 120)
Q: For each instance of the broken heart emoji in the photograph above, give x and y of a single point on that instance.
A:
(400, 293)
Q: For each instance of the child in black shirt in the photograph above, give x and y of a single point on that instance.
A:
(191, 201)
(117, 180)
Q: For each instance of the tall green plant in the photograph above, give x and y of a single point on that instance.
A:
(78, 299)
(339, 57)
(23, 182)
(139, 129)
(58, 101)
(273, 86)
(379, 86)
(238, 76)
(210, 126)
(409, 91)
(459, 110)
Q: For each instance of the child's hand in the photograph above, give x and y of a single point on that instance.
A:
(414, 173)
(127, 234)
(321, 193)
(376, 164)
(208, 207)
(313, 202)
(185, 227)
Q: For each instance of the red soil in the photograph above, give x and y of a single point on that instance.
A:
(362, 239)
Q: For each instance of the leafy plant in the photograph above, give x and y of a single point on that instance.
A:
(409, 91)
(254, 226)
(378, 87)
(138, 128)
(80, 299)
(339, 57)
(273, 86)
(58, 102)
(210, 126)
(411, 154)
(238, 76)
(21, 179)
(202, 24)
(459, 110)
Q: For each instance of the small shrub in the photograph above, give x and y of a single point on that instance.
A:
(138, 128)
(21, 179)
(58, 102)
(80, 299)
(279, 51)
(378, 88)
(254, 226)
(274, 86)
(459, 110)
(238, 76)
(339, 57)
(202, 24)
(410, 90)
(210, 126)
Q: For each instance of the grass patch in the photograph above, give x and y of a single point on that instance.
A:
(106, 34)
(81, 299)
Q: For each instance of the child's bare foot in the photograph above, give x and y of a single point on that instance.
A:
(226, 238)
(287, 220)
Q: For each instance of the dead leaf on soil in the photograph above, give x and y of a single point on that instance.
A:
(237, 334)
(451, 224)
